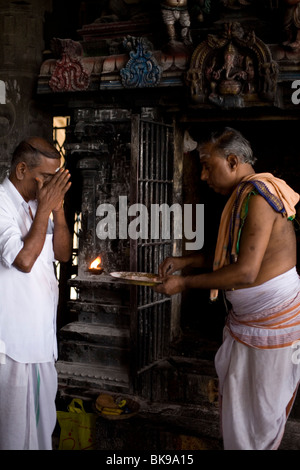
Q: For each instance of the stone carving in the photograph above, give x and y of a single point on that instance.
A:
(291, 24)
(173, 12)
(7, 118)
(124, 10)
(231, 75)
(232, 69)
(142, 69)
(198, 9)
(235, 4)
(69, 73)
(11, 95)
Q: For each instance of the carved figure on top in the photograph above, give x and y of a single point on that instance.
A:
(291, 24)
(123, 10)
(235, 4)
(176, 12)
(198, 8)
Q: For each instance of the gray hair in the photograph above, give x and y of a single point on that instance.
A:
(229, 142)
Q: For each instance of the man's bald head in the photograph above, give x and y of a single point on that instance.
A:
(31, 150)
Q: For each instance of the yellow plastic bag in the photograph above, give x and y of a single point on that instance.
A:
(78, 428)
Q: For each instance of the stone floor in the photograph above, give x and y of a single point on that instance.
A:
(182, 413)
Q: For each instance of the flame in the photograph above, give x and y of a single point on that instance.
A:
(96, 264)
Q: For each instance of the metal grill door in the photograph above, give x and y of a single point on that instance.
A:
(152, 183)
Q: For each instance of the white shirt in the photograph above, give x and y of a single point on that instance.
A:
(28, 301)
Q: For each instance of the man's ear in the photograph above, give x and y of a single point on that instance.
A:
(232, 161)
(21, 169)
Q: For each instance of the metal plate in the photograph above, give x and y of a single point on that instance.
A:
(139, 279)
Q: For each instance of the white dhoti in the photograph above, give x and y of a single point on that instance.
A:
(27, 405)
(257, 364)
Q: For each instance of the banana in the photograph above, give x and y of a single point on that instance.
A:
(105, 404)
(111, 411)
(121, 403)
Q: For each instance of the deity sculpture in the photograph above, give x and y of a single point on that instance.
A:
(235, 4)
(122, 10)
(173, 12)
(232, 69)
(230, 76)
(291, 24)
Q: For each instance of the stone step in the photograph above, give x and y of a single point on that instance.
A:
(77, 378)
(158, 426)
(90, 312)
(184, 412)
(87, 353)
(105, 292)
(162, 427)
(95, 333)
(95, 344)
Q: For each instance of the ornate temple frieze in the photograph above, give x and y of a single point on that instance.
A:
(139, 68)
(69, 73)
(231, 69)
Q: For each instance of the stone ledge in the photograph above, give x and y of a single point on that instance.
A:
(83, 377)
(94, 333)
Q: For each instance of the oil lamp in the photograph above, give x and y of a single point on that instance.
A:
(95, 266)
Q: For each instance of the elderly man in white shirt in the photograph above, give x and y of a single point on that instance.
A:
(33, 233)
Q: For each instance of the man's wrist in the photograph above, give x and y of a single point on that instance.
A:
(43, 211)
(190, 282)
(185, 282)
(59, 211)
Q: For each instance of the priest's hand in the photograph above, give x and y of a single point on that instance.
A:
(170, 285)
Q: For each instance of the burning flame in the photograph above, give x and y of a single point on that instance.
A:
(96, 264)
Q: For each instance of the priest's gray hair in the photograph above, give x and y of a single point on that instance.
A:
(228, 142)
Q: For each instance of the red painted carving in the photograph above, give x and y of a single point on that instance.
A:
(69, 73)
